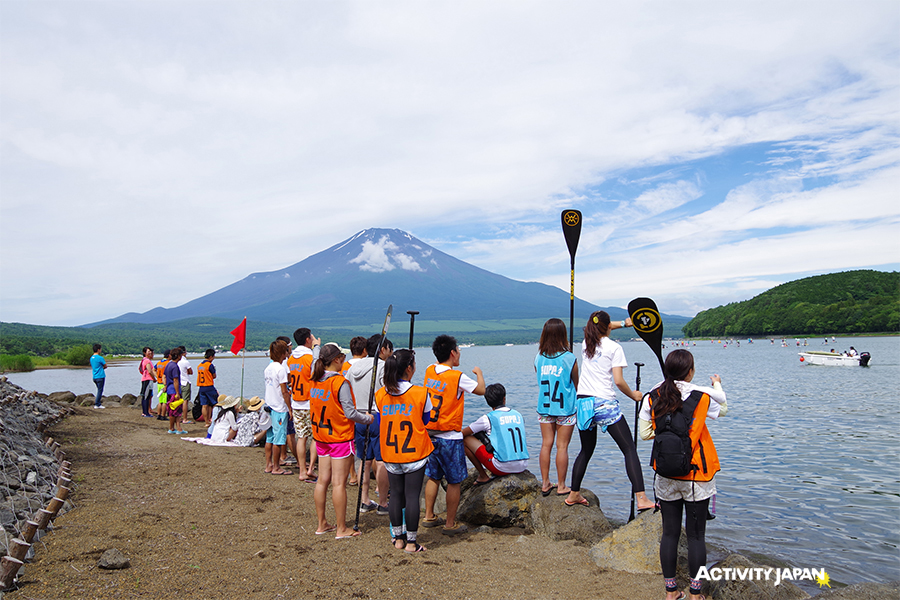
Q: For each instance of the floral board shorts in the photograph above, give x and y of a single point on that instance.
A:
(301, 422)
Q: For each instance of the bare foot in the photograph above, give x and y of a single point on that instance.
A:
(399, 544)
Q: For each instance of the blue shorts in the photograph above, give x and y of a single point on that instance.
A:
(373, 451)
(447, 461)
(277, 433)
(290, 427)
(208, 396)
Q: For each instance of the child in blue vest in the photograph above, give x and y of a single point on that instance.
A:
(504, 429)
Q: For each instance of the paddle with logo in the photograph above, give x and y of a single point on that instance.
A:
(384, 329)
(571, 225)
(648, 324)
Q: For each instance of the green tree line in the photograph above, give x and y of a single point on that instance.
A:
(851, 302)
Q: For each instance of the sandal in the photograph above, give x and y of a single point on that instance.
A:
(435, 522)
(419, 548)
(548, 491)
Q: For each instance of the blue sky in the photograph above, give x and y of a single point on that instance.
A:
(151, 152)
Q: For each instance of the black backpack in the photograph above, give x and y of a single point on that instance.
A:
(671, 454)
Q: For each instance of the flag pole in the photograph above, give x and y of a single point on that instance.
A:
(243, 355)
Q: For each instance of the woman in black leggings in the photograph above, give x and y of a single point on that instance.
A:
(600, 376)
(688, 494)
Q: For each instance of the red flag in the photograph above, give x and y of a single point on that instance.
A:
(240, 337)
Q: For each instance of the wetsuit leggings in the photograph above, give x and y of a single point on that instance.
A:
(694, 526)
(622, 436)
(405, 492)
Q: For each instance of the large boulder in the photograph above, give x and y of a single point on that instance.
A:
(112, 398)
(745, 589)
(128, 400)
(66, 397)
(502, 502)
(634, 547)
(553, 518)
(864, 591)
(85, 399)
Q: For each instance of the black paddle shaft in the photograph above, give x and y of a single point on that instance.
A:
(637, 414)
(412, 322)
(571, 225)
(384, 329)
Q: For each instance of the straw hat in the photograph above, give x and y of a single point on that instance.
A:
(228, 402)
(255, 403)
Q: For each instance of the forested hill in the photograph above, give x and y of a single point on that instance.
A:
(850, 302)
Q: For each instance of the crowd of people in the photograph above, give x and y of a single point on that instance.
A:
(322, 410)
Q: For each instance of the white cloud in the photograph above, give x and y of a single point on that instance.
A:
(231, 129)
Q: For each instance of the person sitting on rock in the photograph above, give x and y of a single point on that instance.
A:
(496, 441)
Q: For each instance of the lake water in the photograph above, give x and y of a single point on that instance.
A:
(809, 454)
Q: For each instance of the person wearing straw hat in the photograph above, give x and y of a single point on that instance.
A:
(225, 425)
(250, 431)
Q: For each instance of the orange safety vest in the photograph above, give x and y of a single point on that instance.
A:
(404, 438)
(345, 368)
(447, 400)
(299, 373)
(703, 451)
(330, 424)
(161, 371)
(204, 377)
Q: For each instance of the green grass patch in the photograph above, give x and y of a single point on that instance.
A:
(16, 362)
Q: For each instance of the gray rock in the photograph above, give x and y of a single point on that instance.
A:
(85, 399)
(113, 559)
(552, 518)
(111, 398)
(752, 590)
(864, 591)
(502, 502)
(67, 397)
(633, 548)
(128, 400)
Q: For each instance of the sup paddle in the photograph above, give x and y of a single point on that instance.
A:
(637, 413)
(648, 325)
(384, 329)
(571, 225)
(412, 322)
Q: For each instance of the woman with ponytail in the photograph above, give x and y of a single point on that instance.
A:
(332, 411)
(688, 493)
(404, 410)
(602, 361)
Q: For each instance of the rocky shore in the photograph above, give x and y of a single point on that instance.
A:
(192, 521)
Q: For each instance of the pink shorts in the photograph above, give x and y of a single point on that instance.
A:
(336, 450)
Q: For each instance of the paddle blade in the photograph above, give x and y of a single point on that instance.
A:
(648, 325)
(571, 224)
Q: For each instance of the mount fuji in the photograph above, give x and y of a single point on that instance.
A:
(353, 282)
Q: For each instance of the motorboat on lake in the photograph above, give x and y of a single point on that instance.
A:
(835, 359)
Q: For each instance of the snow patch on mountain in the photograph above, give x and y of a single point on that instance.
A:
(384, 255)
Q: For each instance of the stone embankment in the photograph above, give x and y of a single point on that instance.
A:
(35, 481)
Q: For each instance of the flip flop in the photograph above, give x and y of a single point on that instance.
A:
(477, 483)
(282, 473)
(329, 530)
(582, 501)
(435, 522)
(352, 535)
(419, 548)
(546, 492)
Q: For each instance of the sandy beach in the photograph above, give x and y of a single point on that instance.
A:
(206, 522)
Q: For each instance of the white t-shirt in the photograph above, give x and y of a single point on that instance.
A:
(184, 364)
(466, 384)
(595, 377)
(275, 375)
(222, 427)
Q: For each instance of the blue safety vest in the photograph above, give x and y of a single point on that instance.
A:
(508, 435)
(556, 389)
